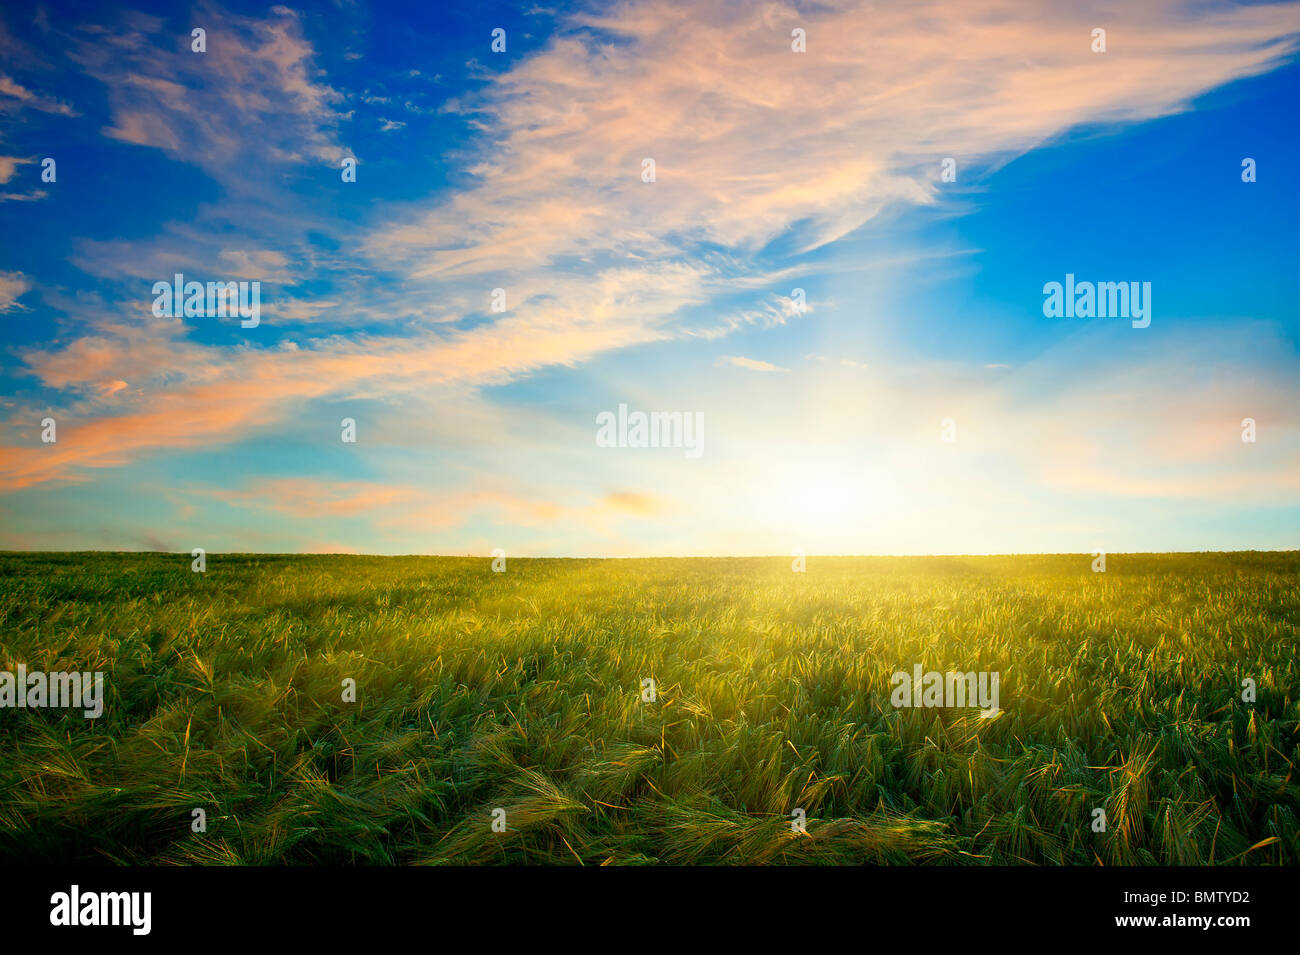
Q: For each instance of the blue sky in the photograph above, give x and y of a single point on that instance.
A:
(823, 428)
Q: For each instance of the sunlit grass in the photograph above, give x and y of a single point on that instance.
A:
(522, 691)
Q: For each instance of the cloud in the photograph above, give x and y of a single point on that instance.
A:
(304, 497)
(267, 265)
(252, 97)
(632, 502)
(9, 165)
(752, 364)
(846, 362)
(396, 508)
(14, 97)
(751, 142)
(189, 394)
(12, 287)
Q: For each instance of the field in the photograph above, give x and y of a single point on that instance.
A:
(522, 691)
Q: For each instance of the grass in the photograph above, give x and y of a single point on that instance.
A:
(522, 691)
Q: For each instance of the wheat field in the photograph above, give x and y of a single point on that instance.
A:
(525, 691)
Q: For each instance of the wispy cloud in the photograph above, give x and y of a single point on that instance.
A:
(752, 364)
(762, 156)
(751, 140)
(14, 97)
(253, 97)
(13, 285)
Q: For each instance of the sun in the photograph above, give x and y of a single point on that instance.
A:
(821, 500)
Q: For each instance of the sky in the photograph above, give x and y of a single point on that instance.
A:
(837, 271)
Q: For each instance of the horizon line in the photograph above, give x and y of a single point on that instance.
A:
(1136, 553)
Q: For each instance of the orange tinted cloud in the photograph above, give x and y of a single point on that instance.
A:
(631, 502)
(751, 141)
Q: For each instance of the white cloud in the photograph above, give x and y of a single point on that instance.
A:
(752, 364)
